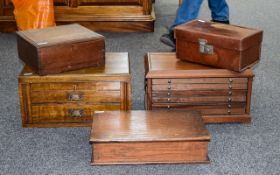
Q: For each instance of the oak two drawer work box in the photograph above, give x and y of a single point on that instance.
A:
(220, 95)
(70, 98)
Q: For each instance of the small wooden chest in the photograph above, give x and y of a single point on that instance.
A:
(220, 95)
(70, 98)
(141, 137)
(59, 49)
(220, 45)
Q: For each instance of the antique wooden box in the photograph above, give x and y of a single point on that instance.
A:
(220, 95)
(70, 98)
(220, 45)
(59, 49)
(144, 137)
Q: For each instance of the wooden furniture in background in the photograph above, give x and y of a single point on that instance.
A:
(70, 98)
(141, 137)
(220, 95)
(98, 15)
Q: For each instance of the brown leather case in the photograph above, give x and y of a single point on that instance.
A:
(220, 45)
(59, 49)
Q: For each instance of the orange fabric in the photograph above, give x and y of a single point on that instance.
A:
(34, 14)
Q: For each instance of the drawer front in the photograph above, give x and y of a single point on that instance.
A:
(219, 109)
(75, 97)
(194, 93)
(180, 87)
(67, 113)
(201, 81)
(199, 99)
(95, 86)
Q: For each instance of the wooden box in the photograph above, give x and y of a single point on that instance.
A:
(70, 98)
(220, 95)
(59, 49)
(145, 137)
(220, 45)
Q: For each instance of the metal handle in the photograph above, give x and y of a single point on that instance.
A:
(169, 81)
(75, 96)
(205, 48)
(169, 87)
(76, 113)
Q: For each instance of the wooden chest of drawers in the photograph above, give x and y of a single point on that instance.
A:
(219, 94)
(70, 98)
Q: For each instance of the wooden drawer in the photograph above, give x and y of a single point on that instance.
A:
(75, 97)
(178, 87)
(96, 86)
(67, 113)
(194, 93)
(201, 80)
(199, 99)
(219, 109)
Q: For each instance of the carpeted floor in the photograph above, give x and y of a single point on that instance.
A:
(252, 149)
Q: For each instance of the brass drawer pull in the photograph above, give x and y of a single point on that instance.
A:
(169, 87)
(168, 94)
(229, 99)
(75, 96)
(169, 81)
(168, 100)
(230, 80)
(76, 113)
(230, 93)
(230, 86)
(229, 112)
(168, 107)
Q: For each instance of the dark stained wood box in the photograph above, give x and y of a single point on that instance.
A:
(221, 95)
(59, 49)
(71, 98)
(220, 45)
(145, 137)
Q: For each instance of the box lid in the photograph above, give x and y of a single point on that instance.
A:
(166, 65)
(58, 34)
(146, 126)
(220, 35)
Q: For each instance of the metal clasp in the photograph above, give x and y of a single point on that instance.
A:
(204, 47)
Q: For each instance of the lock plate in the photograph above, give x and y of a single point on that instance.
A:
(205, 48)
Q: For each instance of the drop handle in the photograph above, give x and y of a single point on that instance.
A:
(75, 96)
(76, 113)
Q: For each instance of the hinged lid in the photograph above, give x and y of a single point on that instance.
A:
(59, 34)
(146, 126)
(220, 35)
(166, 65)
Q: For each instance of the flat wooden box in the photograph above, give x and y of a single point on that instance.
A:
(61, 48)
(221, 95)
(148, 137)
(71, 98)
(98, 15)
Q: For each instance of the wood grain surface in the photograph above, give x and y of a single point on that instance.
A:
(133, 126)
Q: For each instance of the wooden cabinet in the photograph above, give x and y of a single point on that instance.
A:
(71, 98)
(219, 94)
(98, 15)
